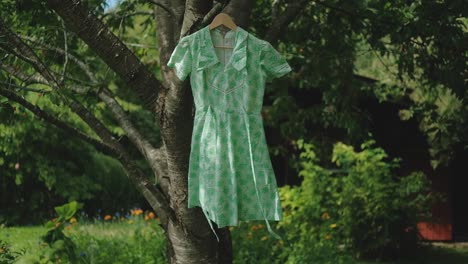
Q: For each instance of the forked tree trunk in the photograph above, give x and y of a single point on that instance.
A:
(198, 244)
(189, 236)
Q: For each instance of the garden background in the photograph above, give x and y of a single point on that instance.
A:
(367, 134)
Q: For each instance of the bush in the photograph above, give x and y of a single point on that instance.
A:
(360, 208)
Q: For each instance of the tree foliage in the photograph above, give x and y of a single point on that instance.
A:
(346, 52)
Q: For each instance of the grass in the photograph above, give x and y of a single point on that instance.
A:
(136, 242)
(133, 240)
(26, 237)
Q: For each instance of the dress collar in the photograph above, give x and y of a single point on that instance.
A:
(208, 56)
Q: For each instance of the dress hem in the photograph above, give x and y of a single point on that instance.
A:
(240, 219)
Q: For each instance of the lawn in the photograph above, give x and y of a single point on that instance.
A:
(124, 240)
(26, 237)
(136, 241)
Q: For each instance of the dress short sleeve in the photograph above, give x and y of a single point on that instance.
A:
(181, 59)
(273, 64)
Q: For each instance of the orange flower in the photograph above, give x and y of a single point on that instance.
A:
(137, 212)
(150, 215)
(68, 226)
(107, 217)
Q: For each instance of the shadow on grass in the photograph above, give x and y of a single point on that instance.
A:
(447, 253)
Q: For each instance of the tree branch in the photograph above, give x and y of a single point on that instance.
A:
(165, 8)
(143, 145)
(280, 23)
(109, 48)
(138, 13)
(36, 79)
(16, 46)
(240, 11)
(99, 145)
(27, 79)
(83, 66)
(24, 88)
(65, 47)
(217, 8)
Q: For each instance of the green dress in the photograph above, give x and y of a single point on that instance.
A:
(230, 172)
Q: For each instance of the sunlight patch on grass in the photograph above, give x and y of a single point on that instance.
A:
(24, 237)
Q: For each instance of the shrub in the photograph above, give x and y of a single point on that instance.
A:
(359, 208)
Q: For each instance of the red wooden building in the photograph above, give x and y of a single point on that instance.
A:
(451, 217)
(404, 139)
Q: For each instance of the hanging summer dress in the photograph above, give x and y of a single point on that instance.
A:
(230, 172)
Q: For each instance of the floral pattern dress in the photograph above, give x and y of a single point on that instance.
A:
(230, 172)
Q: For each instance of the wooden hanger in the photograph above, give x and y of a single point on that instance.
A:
(223, 19)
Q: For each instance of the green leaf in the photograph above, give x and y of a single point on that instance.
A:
(405, 114)
(66, 211)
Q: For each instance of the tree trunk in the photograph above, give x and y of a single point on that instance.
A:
(190, 239)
